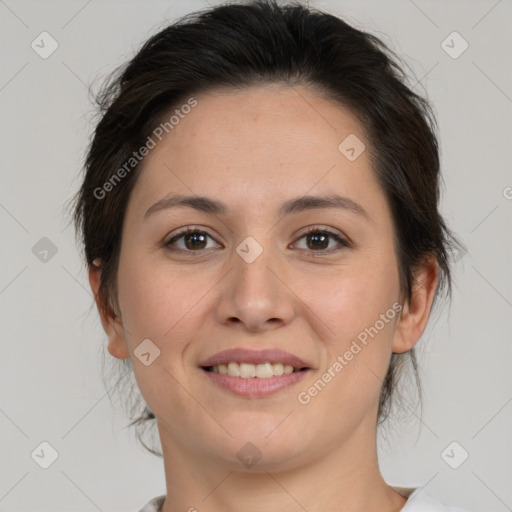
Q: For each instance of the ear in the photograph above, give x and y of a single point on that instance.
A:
(415, 314)
(111, 323)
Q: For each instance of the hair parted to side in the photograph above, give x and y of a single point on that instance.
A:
(240, 45)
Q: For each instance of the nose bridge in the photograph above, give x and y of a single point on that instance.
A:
(252, 263)
(255, 282)
(254, 293)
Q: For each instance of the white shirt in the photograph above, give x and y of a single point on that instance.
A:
(418, 501)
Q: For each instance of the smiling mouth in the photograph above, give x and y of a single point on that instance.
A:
(248, 370)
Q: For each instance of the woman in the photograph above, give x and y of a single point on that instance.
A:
(260, 221)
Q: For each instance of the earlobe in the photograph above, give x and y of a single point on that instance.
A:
(111, 323)
(416, 312)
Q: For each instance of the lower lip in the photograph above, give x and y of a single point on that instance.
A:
(255, 387)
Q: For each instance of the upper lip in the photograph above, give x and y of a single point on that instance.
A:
(242, 355)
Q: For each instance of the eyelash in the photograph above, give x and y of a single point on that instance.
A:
(344, 243)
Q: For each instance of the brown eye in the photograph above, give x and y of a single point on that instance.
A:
(194, 240)
(317, 240)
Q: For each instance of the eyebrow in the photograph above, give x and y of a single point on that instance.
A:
(300, 204)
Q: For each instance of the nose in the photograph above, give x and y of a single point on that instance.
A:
(254, 295)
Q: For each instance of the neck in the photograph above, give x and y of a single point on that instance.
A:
(345, 478)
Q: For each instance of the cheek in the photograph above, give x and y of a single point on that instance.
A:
(360, 307)
(352, 299)
(152, 299)
(348, 383)
(158, 305)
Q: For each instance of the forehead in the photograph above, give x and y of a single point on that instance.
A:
(269, 121)
(262, 142)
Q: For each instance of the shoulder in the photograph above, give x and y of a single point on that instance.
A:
(154, 505)
(419, 501)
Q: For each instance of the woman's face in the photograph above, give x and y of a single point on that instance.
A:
(253, 279)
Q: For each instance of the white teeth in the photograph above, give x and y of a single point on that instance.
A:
(287, 368)
(264, 371)
(234, 369)
(247, 371)
(277, 369)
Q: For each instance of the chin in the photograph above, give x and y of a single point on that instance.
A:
(257, 449)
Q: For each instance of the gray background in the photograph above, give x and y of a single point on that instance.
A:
(50, 368)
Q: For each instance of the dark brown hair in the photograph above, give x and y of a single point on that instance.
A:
(254, 43)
